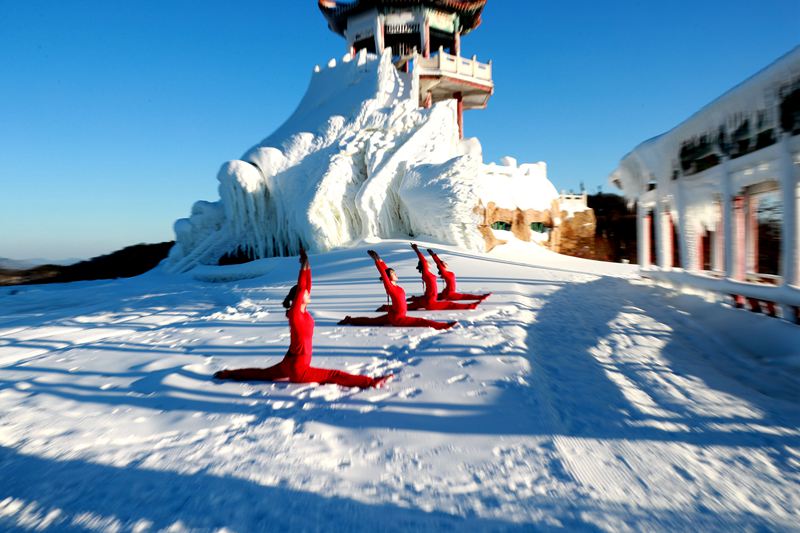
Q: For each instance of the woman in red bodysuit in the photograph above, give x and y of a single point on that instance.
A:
(397, 312)
(296, 365)
(449, 292)
(429, 300)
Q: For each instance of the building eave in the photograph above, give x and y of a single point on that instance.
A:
(336, 12)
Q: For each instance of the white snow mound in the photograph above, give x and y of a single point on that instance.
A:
(358, 159)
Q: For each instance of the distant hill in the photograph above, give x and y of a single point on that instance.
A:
(25, 264)
(128, 262)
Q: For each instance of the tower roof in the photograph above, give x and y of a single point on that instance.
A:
(338, 11)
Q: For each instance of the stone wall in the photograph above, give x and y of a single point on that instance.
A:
(570, 236)
(519, 219)
(576, 235)
(488, 236)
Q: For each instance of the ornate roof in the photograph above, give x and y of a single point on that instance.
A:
(338, 11)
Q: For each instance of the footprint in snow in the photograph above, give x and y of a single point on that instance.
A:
(380, 397)
(303, 392)
(683, 473)
(457, 379)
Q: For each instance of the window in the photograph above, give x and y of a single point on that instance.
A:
(538, 227)
(368, 44)
(402, 44)
(505, 226)
(706, 247)
(767, 235)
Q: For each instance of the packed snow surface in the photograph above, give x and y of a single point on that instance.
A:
(358, 159)
(577, 397)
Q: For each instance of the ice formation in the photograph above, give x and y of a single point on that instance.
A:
(654, 161)
(512, 186)
(358, 159)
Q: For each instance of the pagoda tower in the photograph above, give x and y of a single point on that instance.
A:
(424, 35)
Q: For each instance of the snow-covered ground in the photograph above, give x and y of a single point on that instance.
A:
(578, 397)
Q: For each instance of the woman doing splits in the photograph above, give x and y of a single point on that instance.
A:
(397, 312)
(296, 365)
(449, 292)
(430, 300)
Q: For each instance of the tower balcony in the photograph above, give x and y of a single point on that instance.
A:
(444, 76)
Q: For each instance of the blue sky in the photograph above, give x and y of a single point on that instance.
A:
(116, 116)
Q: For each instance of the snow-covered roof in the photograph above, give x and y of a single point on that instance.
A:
(337, 12)
(756, 99)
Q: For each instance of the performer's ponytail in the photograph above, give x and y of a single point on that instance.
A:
(287, 302)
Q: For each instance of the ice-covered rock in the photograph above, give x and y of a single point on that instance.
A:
(357, 159)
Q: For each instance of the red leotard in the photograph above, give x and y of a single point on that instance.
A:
(296, 364)
(396, 315)
(430, 300)
(449, 292)
(396, 293)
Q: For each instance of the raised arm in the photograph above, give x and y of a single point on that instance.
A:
(303, 284)
(439, 262)
(304, 277)
(381, 266)
(421, 257)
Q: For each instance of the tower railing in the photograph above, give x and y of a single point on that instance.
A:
(444, 63)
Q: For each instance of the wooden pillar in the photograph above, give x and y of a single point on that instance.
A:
(380, 37)
(789, 230)
(457, 44)
(426, 36)
(739, 238)
(460, 113)
(738, 246)
(671, 240)
(789, 199)
(643, 224)
(700, 237)
(752, 233)
(682, 232)
(659, 234)
(428, 102)
(727, 220)
(648, 234)
(718, 245)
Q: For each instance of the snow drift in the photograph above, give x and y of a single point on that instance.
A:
(358, 159)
